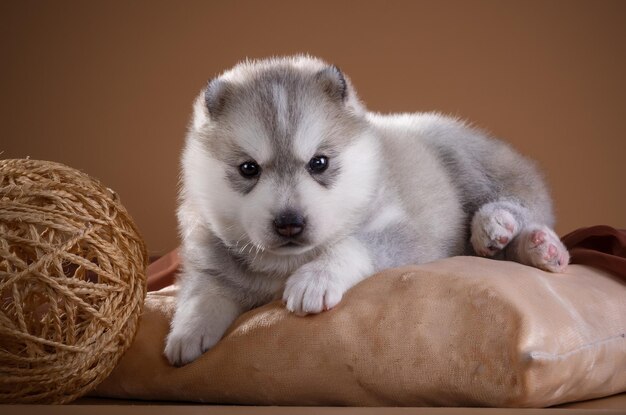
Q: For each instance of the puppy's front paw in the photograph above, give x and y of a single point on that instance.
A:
(311, 290)
(203, 314)
(187, 342)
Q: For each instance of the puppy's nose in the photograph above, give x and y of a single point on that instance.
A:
(289, 223)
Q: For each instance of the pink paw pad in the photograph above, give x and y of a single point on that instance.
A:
(547, 252)
(538, 237)
(509, 227)
(551, 252)
(503, 240)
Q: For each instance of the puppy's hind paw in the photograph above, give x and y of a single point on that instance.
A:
(492, 230)
(543, 249)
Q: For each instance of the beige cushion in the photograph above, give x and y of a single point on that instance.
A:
(462, 331)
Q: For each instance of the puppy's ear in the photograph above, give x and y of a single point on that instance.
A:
(216, 96)
(333, 82)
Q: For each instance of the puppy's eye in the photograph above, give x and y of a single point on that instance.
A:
(249, 169)
(318, 164)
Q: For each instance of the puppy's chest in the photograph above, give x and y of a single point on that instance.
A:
(256, 288)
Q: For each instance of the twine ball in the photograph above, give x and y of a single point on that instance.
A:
(72, 282)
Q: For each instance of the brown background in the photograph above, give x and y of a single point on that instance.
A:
(107, 87)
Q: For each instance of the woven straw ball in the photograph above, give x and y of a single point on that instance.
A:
(72, 282)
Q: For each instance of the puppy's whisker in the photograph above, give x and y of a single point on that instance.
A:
(259, 249)
(237, 242)
(244, 248)
(256, 254)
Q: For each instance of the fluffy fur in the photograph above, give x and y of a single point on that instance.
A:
(396, 190)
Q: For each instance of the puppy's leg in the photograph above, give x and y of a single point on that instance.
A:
(320, 284)
(539, 247)
(203, 314)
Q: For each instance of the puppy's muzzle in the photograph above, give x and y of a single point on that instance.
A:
(289, 224)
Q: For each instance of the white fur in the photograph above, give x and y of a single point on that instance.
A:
(389, 215)
(309, 134)
(202, 179)
(199, 322)
(320, 284)
(335, 211)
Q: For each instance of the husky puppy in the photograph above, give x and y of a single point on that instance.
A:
(292, 190)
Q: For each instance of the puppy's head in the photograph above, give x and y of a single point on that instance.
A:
(279, 156)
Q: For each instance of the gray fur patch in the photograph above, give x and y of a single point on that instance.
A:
(391, 247)
(215, 96)
(474, 184)
(334, 83)
(238, 183)
(230, 270)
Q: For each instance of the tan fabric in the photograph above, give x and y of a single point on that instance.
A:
(461, 331)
